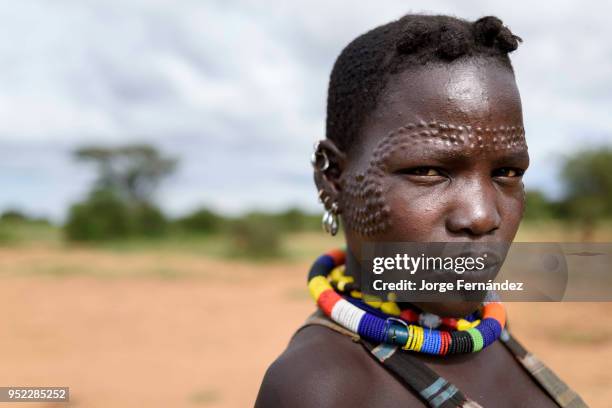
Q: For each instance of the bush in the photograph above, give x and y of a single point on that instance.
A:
(18, 217)
(539, 207)
(13, 216)
(202, 221)
(256, 238)
(295, 220)
(148, 221)
(205, 221)
(6, 237)
(103, 216)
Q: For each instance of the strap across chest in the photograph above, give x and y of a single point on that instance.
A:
(436, 391)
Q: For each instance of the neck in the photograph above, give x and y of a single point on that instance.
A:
(352, 267)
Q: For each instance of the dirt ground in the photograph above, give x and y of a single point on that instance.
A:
(200, 332)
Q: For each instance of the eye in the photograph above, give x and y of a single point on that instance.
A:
(423, 171)
(508, 172)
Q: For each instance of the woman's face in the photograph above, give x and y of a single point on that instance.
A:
(440, 160)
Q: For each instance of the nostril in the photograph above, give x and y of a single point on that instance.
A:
(475, 211)
(473, 224)
(477, 232)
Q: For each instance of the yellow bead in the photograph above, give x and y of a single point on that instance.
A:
(463, 324)
(410, 338)
(337, 273)
(390, 308)
(318, 285)
(419, 338)
(343, 281)
(372, 301)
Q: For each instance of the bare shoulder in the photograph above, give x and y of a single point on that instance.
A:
(319, 368)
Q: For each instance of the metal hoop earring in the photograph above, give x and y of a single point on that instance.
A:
(330, 220)
(317, 155)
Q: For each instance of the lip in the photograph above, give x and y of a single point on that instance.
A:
(491, 257)
(492, 265)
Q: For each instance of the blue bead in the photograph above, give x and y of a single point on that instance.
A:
(327, 260)
(372, 328)
(322, 266)
(438, 343)
(490, 330)
(428, 342)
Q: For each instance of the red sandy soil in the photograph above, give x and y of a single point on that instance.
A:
(207, 339)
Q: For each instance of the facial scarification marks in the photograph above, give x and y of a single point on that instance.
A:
(363, 206)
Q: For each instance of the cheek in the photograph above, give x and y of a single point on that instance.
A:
(512, 206)
(364, 210)
(416, 214)
(420, 213)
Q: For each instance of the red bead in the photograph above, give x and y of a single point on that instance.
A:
(327, 300)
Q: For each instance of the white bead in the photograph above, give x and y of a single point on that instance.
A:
(429, 320)
(347, 314)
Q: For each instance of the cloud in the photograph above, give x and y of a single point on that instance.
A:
(237, 90)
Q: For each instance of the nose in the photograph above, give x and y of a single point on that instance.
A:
(474, 211)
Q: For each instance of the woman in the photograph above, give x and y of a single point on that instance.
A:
(424, 143)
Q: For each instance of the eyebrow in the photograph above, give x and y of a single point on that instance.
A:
(516, 155)
(458, 153)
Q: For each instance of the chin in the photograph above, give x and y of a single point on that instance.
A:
(448, 309)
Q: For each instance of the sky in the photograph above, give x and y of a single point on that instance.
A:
(236, 90)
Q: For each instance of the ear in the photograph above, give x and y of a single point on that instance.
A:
(329, 163)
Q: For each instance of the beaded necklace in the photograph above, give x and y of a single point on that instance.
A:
(391, 325)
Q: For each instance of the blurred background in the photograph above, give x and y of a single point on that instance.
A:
(157, 209)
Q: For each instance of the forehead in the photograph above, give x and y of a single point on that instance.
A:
(446, 141)
(475, 93)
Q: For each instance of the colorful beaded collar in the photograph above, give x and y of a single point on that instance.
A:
(397, 327)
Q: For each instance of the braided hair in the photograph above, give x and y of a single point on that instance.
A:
(364, 67)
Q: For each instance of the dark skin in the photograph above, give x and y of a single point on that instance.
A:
(429, 192)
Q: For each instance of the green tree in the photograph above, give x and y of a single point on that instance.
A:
(538, 206)
(120, 203)
(294, 219)
(588, 181)
(13, 216)
(202, 221)
(103, 216)
(148, 220)
(133, 172)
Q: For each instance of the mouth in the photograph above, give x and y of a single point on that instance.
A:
(488, 262)
(492, 266)
(490, 258)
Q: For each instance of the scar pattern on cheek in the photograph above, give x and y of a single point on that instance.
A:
(364, 208)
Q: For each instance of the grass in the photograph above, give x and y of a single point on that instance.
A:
(179, 255)
(19, 233)
(294, 247)
(556, 231)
